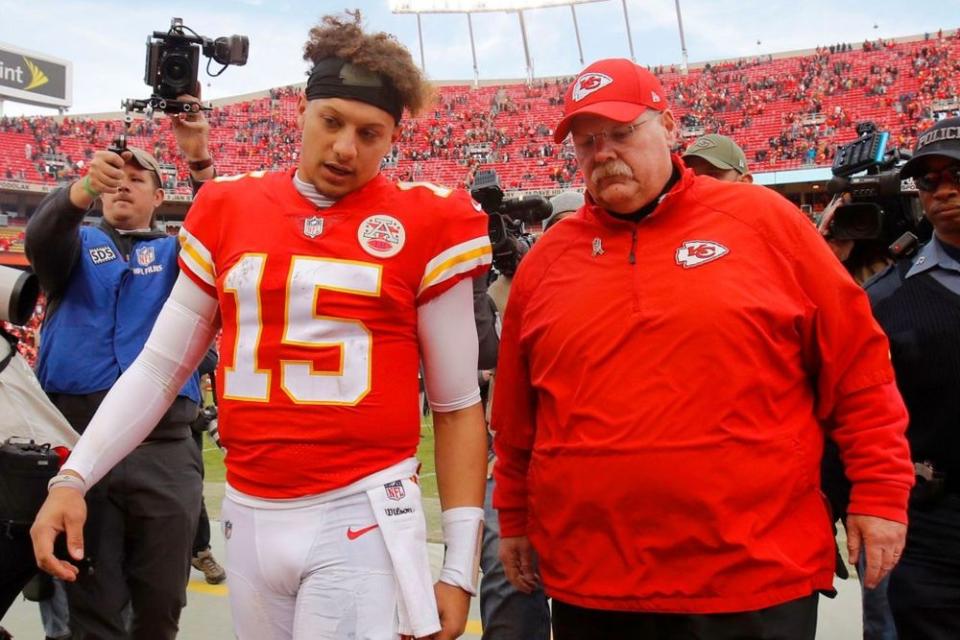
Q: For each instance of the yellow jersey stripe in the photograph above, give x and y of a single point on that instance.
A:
(457, 264)
(195, 261)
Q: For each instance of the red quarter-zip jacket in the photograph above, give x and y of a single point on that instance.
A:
(663, 389)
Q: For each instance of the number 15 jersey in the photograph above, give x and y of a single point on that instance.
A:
(317, 382)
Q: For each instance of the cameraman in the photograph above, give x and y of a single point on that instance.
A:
(917, 302)
(506, 613)
(105, 285)
(563, 205)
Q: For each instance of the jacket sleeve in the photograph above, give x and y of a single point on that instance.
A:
(848, 359)
(513, 419)
(52, 242)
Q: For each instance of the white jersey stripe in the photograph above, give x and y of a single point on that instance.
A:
(461, 258)
(196, 257)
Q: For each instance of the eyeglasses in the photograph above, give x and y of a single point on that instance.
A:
(931, 181)
(616, 136)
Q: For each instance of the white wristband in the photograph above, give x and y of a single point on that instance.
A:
(67, 480)
(462, 535)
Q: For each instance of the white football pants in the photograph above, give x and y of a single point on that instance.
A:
(319, 571)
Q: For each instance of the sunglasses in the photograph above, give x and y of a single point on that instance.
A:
(931, 181)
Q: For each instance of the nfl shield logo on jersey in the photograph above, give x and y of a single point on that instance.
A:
(395, 490)
(146, 256)
(313, 226)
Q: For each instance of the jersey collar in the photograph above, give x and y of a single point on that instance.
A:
(933, 256)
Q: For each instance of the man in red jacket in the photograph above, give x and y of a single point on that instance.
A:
(669, 360)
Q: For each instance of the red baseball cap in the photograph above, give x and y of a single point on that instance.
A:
(614, 88)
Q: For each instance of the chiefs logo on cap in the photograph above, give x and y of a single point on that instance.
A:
(588, 83)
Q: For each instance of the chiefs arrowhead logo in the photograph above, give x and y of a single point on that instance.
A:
(694, 253)
(588, 83)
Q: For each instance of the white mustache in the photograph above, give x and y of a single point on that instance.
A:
(611, 169)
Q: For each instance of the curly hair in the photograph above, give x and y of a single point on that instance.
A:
(343, 37)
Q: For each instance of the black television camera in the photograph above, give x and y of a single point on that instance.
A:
(882, 208)
(173, 63)
(507, 217)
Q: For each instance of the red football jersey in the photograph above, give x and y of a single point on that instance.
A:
(318, 370)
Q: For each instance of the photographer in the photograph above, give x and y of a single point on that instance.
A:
(202, 557)
(563, 205)
(506, 612)
(105, 285)
(26, 415)
(917, 303)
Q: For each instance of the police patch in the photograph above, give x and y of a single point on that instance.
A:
(381, 236)
(938, 135)
(99, 255)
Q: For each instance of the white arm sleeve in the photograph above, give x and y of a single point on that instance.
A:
(448, 346)
(180, 337)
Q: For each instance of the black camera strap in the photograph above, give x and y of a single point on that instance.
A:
(12, 339)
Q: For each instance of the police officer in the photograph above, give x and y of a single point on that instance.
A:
(105, 285)
(917, 302)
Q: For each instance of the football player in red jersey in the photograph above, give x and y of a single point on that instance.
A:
(330, 284)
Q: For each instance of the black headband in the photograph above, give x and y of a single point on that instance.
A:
(336, 78)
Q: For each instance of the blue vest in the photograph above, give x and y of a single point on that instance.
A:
(106, 314)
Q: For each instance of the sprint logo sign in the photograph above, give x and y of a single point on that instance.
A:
(37, 77)
(34, 78)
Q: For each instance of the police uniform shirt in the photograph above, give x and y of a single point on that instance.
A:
(933, 258)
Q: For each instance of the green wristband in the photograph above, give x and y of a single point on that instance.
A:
(90, 191)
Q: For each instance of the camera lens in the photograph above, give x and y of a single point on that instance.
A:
(175, 69)
(176, 72)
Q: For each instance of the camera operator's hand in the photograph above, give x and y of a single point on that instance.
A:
(840, 248)
(192, 132)
(63, 512)
(104, 175)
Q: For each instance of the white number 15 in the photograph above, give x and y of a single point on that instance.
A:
(306, 280)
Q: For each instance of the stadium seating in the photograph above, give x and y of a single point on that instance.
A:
(800, 102)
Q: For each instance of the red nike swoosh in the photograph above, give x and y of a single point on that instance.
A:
(353, 535)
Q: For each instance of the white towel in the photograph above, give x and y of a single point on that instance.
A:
(399, 512)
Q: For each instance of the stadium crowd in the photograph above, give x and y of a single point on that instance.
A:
(785, 111)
